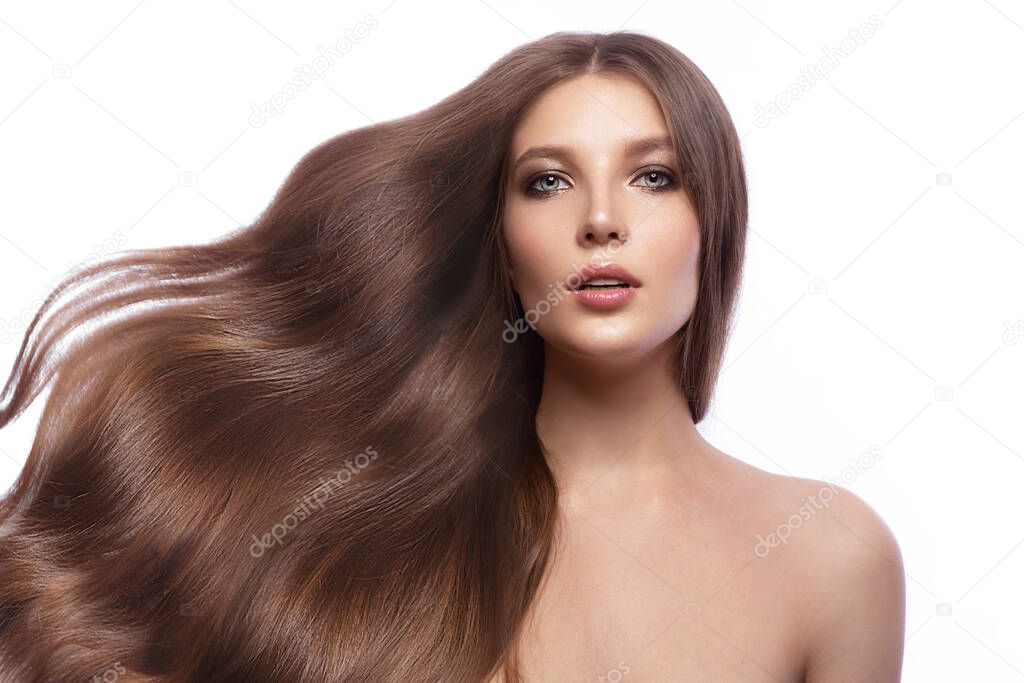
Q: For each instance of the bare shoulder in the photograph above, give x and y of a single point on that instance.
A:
(846, 561)
(830, 523)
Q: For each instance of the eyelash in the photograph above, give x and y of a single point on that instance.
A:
(540, 194)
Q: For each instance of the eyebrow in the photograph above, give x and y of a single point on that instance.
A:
(632, 147)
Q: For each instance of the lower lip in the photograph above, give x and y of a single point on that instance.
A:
(604, 298)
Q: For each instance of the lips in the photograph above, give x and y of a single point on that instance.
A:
(603, 276)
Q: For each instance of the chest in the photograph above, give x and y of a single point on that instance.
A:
(636, 602)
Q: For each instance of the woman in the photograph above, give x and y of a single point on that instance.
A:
(431, 417)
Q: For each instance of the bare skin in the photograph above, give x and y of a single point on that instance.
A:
(658, 573)
(673, 590)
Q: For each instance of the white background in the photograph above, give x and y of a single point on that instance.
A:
(882, 302)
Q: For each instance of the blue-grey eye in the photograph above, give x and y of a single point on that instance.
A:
(548, 183)
(666, 176)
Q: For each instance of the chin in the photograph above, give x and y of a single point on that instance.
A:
(605, 343)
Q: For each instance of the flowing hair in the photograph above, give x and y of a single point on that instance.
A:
(305, 451)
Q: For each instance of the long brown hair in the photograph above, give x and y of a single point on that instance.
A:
(304, 451)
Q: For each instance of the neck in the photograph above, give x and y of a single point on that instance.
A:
(621, 423)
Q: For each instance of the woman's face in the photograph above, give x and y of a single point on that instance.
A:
(598, 202)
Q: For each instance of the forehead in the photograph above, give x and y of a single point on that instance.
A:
(595, 112)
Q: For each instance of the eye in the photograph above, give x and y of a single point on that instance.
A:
(669, 180)
(546, 182)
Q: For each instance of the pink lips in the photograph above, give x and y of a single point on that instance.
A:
(612, 297)
(604, 298)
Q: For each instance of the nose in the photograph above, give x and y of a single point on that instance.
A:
(602, 224)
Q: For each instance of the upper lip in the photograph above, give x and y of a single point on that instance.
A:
(605, 270)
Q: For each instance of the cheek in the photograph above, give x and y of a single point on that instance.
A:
(689, 258)
(529, 249)
(675, 261)
(673, 250)
(519, 245)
